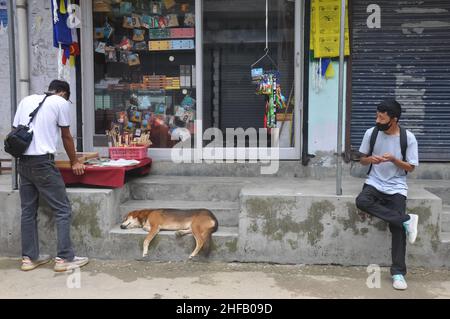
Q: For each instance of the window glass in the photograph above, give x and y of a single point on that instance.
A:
(144, 55)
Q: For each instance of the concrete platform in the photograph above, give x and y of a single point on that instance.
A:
(264, 219)
(320, 167)
(307, 223)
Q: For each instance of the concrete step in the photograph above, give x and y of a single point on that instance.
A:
(166, 246)
(445, 218)
(439, 188)
(315, 169)
(190, 188)
(286, 169)
(226, 212)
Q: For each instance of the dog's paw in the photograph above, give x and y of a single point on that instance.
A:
(144, 255)
(178, 234)
(194, 258)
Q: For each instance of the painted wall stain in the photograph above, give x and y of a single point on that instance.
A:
(275, 217)
(354, 216)
(293, 244)
(268, 211)
(424, 212)
(432, 232)
(232, 245)
(312, 226)
(381, 225)
(85, 216)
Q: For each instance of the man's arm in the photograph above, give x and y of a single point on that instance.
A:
(66, 136)
(398, 162)
(374, 159)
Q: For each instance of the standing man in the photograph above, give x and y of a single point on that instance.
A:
(39, 176)
(385, 191)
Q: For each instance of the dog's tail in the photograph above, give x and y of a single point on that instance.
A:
(216, 223)
(207, 244)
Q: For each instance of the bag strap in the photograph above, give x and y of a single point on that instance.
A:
(403, 144)
(373, 138)
(33, 114)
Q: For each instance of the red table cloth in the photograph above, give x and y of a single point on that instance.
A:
(105, 176)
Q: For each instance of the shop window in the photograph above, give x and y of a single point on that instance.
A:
(144, 69)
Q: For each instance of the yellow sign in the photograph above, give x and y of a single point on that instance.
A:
(325, 24)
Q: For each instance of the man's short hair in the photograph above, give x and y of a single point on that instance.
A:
(391, 107)
(58, 86)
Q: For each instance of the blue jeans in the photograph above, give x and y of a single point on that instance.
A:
(39, 177)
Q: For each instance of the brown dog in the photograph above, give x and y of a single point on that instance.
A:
(200, 222)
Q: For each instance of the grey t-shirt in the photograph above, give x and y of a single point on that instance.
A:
(386, 177)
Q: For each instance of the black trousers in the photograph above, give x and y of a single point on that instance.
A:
(390, 208)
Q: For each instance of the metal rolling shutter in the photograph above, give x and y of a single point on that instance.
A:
(407, 58)
(239, 105)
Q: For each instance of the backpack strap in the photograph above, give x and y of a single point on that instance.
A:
(373, 138)
(403, 144)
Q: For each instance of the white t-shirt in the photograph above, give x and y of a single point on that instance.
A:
(53, 114)
(387, 177)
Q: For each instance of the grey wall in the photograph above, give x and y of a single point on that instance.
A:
(4, 89)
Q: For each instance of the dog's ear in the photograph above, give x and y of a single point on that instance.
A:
(142, 215)
(132, 214)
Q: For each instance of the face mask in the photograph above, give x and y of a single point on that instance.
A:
(383, 127)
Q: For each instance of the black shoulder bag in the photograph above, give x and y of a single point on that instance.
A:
(19, 139)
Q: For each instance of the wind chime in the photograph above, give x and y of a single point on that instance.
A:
(270, 87)
(268, 84)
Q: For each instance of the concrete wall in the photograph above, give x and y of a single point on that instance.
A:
(95, 212)
(5, 119)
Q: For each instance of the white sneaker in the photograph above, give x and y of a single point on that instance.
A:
(64, 265)
(28, 264)
(399, 282)
(411, 227)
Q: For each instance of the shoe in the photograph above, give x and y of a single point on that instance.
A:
(399, 282)
(64, 265)
(411, 227)
(28, 264)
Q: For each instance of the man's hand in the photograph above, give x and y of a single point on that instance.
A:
(375, 159)
(388, 157)
(78, 168)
